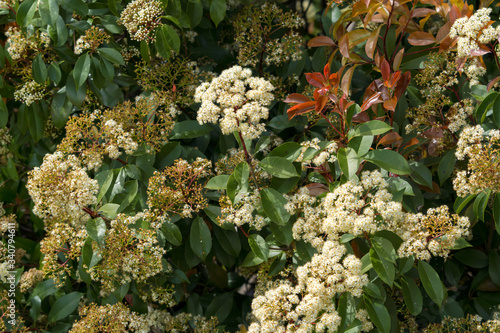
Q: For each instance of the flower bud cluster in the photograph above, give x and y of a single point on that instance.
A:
(236, 100)
(93, 38)
(140, 18)
(30, 92)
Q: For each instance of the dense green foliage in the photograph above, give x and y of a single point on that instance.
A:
(272, 166)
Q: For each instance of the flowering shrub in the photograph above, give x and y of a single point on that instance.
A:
(249, 166)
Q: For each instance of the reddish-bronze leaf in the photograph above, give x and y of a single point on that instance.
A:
(478, 52)
(402, 84)
(300, 109)
(447, 43)
(435, 188)
(347, 78)
(296, 98)
(390, 138)
(454, 13)
(368, 102)
(421, 12)
(492, 83)
(326, 70)
(316, 79)
(321, 41)
(391, 103)
(433, 133)
(443, 32)
(420, 38)
(371, 43)
(344, 46)
(397, 59)
(361, 117)
(385, 69)
(316, 189)
(394, 79)
(320, 103)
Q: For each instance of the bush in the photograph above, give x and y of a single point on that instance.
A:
(216, 165)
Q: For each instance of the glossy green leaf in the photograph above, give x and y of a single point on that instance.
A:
(217, 183)
(472, 257)
(278, 167)
(189, 129)
(372, 127)
(81, 70)
(288, 150)
(496, 212)
(259, 246)
(218, 11)
(26, 12)
(96, 229)
(61, 31)
(200, 238)
(494, 267)
(172, 233)
(412, 295)
(104, 180)
(109, 210)
(74, 94)
(194, 11)
(112, 55)
(49, 11)
(379, 315)
(389, 160)
(237, 183)
(348, 162)
(229, 241)
(361, 144)
(274, 203)
(431, 282)
(36, 307)
(4, 113)
(496, 111)
(384, 248)
(131, 188)
(384, 268)
(446, 166)
(220, 306)
(167, 40)
(421, 174)
(39, 69)
(64, 306)
(461, 203)
(480, 204)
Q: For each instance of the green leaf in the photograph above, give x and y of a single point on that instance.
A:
(496, 111)
(421, 174)
(39, 69)
(385, 269)
(36, 307)
(472, 258)
(62, 32)
(220, 306)
(461, 243)
(274, 203)
(389, 160)
(189, 129)
(96, 229)
(36, 123)
(412, 295)
(54, 72)
(109, 210)
(480, 204)
(104, 179)
(218, 11)
(431, 282)
(64, 306)
(131, 188)
(288, 150)
(166, 40)
(228, 240)
(49, 11)
(81, 70)
(361, 144)
(494, 267)
(373, 127)
(279, 167)
(4, 113)
(44, 289)
(26, 12)
(259, 246)
(446, 166)
(172, 233)
(112, 55)
(460, 203)
(237, 183)
(496, 211)
(348, 162)
(194, 11)
(60, 109)
(384, 248)
(379, 315)
(251, 260)
(76, 96)
(217, 183)
(485, 106)
(200, 238)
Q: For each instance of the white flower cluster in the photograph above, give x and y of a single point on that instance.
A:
(328, 154)
(60, 188)
(472, 31)
(17, 43)
(93, 37)
(481, 149)
(236, 100)
(29, 93)
(307, 306)
(460, 111)
(140, 18)
(473, 69)
(116, 138)
(191, 35)
(243, 212)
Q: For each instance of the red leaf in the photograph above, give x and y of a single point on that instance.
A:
(300, 109)
(421, 12)
(390, 138)
(433, 133)
(478, 52)
(344, 46)
(321, 41)
(326, 70)
(420, 38)
(385, 69)
(316, 79)
(492, 83)
(391, 103)
(361, 117)
(296, 98)
(374, 99)
(402, 84)
(320, 103)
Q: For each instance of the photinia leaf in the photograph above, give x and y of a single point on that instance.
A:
(420, 38)
(321, 41)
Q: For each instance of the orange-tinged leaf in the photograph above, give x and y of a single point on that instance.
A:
(390, 138)
(420, 38)
(374, 99)
(454, 13)
(344, 46)
(371, 43)
(421, 12)
(359, 8)
(316, 79)
(357, 36)
(326, 70)
(402, 84)
(385, 69)
(321, 41)
(300, 109)
(397, 59)
(296, 98)
(394, 79)
(447, 43)
(320, 103)
(346, 79)
(493, 82)
(391, 103)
